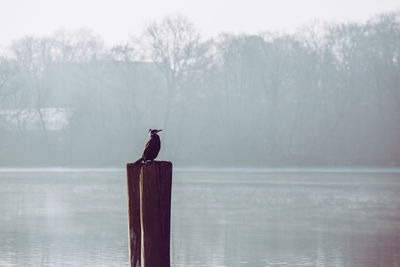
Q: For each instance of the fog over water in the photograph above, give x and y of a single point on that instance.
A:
(218, 219)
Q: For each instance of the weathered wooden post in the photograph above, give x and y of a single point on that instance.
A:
(149, 211)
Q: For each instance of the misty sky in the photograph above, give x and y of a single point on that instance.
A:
(116, 20)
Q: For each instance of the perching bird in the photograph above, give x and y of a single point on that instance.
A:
(152, 147)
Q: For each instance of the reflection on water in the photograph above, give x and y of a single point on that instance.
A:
(218, 219)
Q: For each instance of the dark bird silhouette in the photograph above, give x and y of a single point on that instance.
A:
(152, 147)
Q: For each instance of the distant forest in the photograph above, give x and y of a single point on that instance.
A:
(326, 96)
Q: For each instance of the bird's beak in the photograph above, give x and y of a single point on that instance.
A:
(159, 131)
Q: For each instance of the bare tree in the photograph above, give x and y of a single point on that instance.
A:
(7, 72)
(176, 48)
(32, 55)
(124, 52)
(77, 46)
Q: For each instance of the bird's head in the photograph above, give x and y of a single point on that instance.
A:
(153, 132)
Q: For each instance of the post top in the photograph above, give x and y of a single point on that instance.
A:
(152, 163)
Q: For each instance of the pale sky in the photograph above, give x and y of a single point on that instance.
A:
(117, 20)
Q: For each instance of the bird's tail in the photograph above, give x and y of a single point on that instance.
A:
(138, 161)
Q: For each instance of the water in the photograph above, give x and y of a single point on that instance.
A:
(64, 218)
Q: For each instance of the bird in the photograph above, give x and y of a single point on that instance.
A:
(151, 148)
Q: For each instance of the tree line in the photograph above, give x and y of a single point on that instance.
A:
(328, 95)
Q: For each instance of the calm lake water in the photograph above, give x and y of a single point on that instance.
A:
(79, 218)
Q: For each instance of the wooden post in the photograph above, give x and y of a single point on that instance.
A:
(149, 210)
(133, 179)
